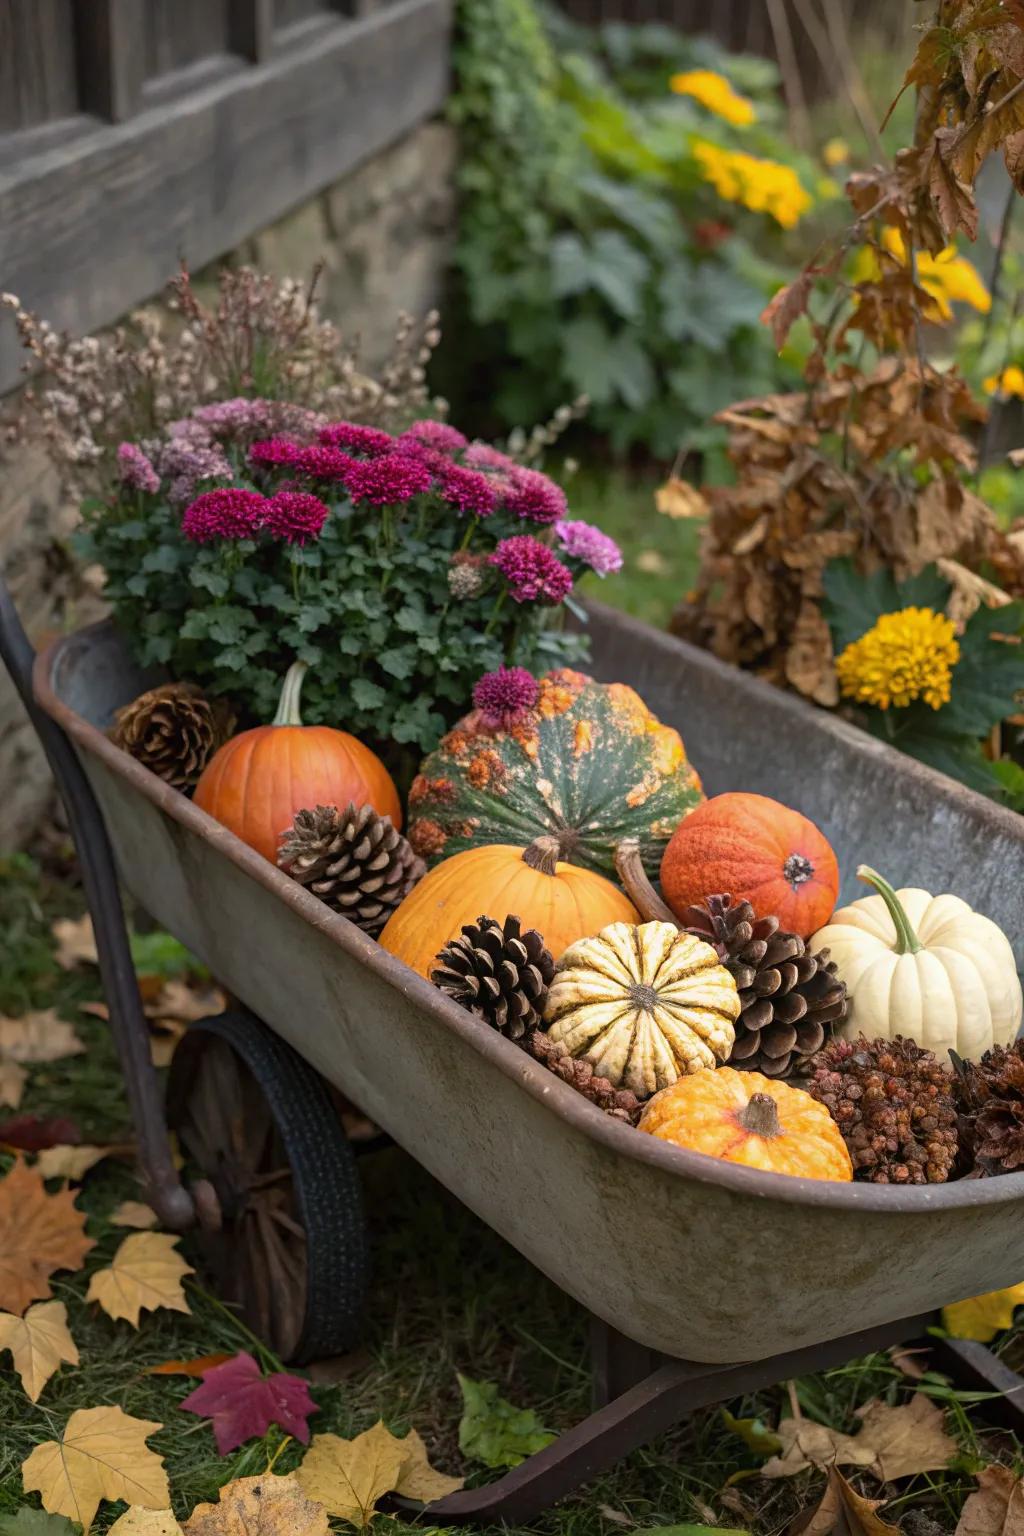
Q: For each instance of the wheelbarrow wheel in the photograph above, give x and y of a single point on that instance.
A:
(285, 1238)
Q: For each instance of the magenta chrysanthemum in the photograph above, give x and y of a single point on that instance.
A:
(505, 697)
(585, 542)
(466, 489)
(230, 513)
(483, 456)
(392, 478)
(276, 451)
(322, 463)
(294, 516)
(348, 434)
(136, 470)
(433, 434)
(532, 570)
(533, 496)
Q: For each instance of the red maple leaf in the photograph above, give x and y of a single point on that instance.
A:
(27, 1133)
(243, 1403)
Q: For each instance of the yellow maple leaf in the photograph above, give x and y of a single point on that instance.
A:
(349, 1476)
(12, 1082)
(103, 1455)
(133, 1213)
(678, 498)
(145, 1522)
(66, 1162)
(417, 1479)
(76, 942)
(39, 1233)
(38, 1036)
(982, 1317)
(145, 1273)
(259, 1506)
(38, 1342)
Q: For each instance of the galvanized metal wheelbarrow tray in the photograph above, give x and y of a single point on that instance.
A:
(673, 1326)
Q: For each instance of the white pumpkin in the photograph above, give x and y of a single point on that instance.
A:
(926, 967)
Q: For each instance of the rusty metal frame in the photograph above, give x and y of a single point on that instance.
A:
(638, 1393)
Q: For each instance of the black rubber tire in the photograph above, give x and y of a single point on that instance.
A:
(326, 1182)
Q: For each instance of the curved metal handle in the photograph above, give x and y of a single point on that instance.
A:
(165, 1192)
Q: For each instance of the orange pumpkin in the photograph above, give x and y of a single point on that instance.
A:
(562, 901)
(745, 1118)
(260, 778)
(758, 851)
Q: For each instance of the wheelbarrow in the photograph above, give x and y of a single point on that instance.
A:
(273, 1188)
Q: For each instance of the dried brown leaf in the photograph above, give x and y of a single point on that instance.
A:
(997, 1509)
(12, 1082)
(39, 1233)
(38, 1037)
(908, 1439)
(784, 309)
(259, 1506)
(677, 498)
(843, 1512)
(76, 942)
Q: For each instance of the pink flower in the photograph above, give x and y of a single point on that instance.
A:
(531, 570)
(533, 496)
(432, 434)
(505, 697)
(483, 456)
(347, 434)
(294, 516)
(582, 541)
(466, 489)
(136, 469)
(392, 478)
(276, 451)
(229, 513)
(324, 463)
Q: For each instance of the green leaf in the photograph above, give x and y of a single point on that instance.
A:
(35, 1522)
(1010, 776)
(587, 344)
(854, 602)
(632, 371)
(493, 1430)
(618, 271)
(366, 694)
(709, 305)
(754, 1433)
(399, 661)
(570, 266)
(989, 675)
(960, 757)
(160, 954)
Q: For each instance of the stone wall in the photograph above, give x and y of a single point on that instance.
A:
(384, 236)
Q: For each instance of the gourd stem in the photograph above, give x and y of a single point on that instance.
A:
(907, 941)
(543, 854)
(291, 690)
(760, 1116)
(636, 883)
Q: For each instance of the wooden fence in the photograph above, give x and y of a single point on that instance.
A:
(136, 132)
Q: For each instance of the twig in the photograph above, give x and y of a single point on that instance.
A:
(794, 1401)
(789, 65)
(839, 38)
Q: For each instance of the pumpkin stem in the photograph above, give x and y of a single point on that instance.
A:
(291, 689)
(907, 941)
(760, 1116)
(636, 883)
(543, 854)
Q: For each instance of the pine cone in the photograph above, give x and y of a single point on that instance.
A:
(991, 1094)
(354, 860)
(173, 730)
(498, 972)
(579, 1074)
(789, 1000)
(893, 1104)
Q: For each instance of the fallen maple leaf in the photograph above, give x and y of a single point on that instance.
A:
(892, 1442)
(38, 1343)
(27, 1133)
(259, 1506)
(12, 1083)
(35, 1522)
(842, 1512)
(806, 1444)
(39, 1233)
(145, 1522)
(348, 1476)
(196, 1367)
(982, 1317)
(417, 1479)
(243, 1403)
(145, 1274)
(133, 1213)
(997, 1509)
(678, 498)
(71, 1162)
(495, 1431)
(76, 942)
(185, 1003)
(38, 1037)
(103, 1455)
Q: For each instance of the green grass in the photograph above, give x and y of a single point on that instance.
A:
(448, 1295)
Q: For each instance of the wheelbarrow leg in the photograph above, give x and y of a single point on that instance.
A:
(164, 1190)
(975, 1368)
(617, 1363)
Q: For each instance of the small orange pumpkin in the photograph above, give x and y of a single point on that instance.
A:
(259, 779)
(758, 851)
(745, 1118)
(562, 901)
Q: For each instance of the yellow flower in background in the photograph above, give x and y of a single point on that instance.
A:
(906, 656)
(947, 278)
(1009, 382)
(764, 186)
(714, 92)
(836, 152)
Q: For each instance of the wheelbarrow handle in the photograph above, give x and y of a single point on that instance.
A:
(165, 1191)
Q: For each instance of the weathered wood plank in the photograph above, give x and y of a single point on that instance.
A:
(181, 32)
(37, 63)
(109, 37)
(90, 229)
(288, 12)
(251, 29)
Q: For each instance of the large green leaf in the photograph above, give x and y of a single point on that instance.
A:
(854, 602)
(708, 304)
(587, 343)
(35, 1522)
(495, 1431)
(989, 675)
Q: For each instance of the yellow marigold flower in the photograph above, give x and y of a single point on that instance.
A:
(1009, 382)
(716, 94)
(836, 152)
(764, 186)
(947, 278)
(906, 656)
